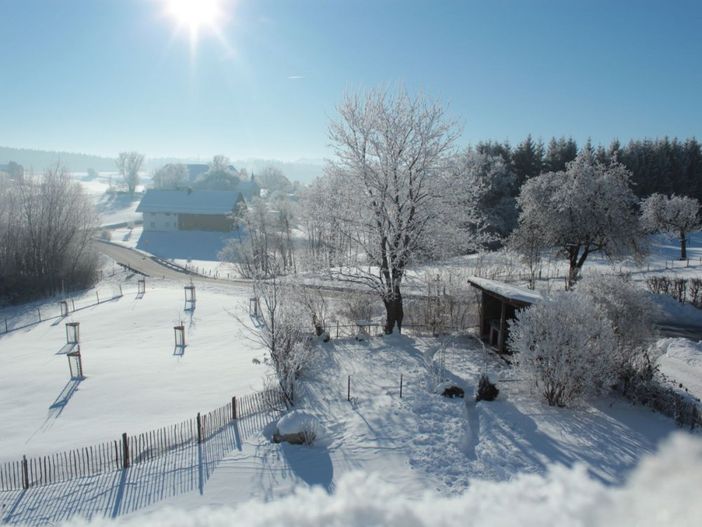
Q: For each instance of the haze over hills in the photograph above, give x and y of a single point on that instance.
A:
(303, 170)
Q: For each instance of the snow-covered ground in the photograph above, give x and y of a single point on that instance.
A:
(135, 378)
(682, 364)
(112, 207)
(663, 490)
(412, 445)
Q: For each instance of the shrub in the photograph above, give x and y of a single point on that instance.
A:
(631, 313)
(564, 347)
(487, 391)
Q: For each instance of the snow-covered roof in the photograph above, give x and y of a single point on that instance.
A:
(507, 291)
(213, 202)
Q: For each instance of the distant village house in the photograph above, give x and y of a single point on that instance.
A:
(190, 210)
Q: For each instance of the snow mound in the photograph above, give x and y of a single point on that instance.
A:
(663, 490)
(298, 427)
(296, 422)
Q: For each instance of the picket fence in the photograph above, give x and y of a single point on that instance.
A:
(131, 450)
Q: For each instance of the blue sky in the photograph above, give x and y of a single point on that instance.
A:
(101, 76)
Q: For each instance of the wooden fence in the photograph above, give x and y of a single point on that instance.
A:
(51, 311)
(131, 450)
(337, 330)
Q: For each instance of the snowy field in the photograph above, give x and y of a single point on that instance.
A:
(112, 208)
(135, 378)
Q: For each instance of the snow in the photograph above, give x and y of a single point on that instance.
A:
(506, 290)
(682, 364)
(410, 446)
(663, 490)
(135, 378)
(297, 422)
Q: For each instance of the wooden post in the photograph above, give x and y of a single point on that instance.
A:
(503, 328)
(120, 290)
(400, 386)
(73, 305)
(337, 329)
(97, 295)
(233, 407)
(39, 314)
(5, 325)
(25, 473)
(348, 389)
(199, 428)
(125, 451)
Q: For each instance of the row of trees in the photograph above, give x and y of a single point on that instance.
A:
(664, 166)
(46, 225)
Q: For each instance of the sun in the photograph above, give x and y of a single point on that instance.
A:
(195, 15)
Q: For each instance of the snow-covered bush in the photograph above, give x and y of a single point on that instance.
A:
(564, 347)
(297, 427)
(630, 311)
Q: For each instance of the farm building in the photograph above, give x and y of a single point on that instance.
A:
(499, 303)
(190, 210)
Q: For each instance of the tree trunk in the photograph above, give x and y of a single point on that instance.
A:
(394, 312)
(683, 246)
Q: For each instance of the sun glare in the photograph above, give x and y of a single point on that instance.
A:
(195, 15)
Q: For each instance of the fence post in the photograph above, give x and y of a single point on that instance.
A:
(348, 389)
(125, 451)
(233, 407)
(400, 386)
(39, 314)
(199, 428)
(97, 294)
(25, 473)
(5, 325)
(120, 290)
(337, 330)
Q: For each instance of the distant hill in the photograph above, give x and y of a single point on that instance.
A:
(303, 170)
(38, 160)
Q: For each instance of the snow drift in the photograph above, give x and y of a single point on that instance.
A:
(663, 490)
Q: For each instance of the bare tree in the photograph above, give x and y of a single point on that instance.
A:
(129, 164)
(46, 226)
(391, 150)
(676, 215)
(282, 333)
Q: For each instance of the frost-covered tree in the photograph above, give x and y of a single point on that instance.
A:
(528, 241)
(676, 215)
(170, 176)
(273, 179)
(266, 246)
(564, 347)
(129, 164)
(587, 208)
(282, 332)
(493, 183)
(631, 313)
(391, 171)
(46, 228)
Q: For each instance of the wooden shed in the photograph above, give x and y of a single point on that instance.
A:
(499, 303)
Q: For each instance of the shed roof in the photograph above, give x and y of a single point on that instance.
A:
(506, 291)
(212, 202)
